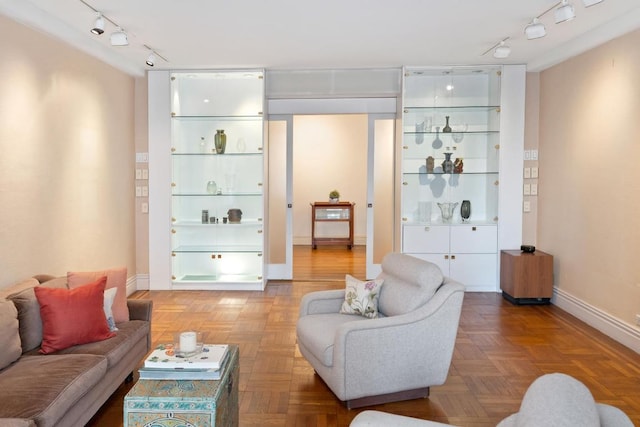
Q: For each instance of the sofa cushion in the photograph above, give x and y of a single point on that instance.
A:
(361, 297)
(10, 349)
(116, 278)
(44, 388)
(116, 348)
(25, 301)
(72, 316)
(409, 283)
(318, 331)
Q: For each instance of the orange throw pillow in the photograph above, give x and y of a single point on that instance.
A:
(72, 316)
(116, 278)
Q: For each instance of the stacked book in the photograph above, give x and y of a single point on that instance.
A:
(164, 364)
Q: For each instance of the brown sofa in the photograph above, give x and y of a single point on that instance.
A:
(65, 388)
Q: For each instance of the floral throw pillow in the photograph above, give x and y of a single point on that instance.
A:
(361, 297)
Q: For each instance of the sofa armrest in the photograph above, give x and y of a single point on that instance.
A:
(140, 309)
(321, 302)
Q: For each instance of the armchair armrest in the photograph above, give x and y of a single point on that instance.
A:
(140, 309)
(321, 302)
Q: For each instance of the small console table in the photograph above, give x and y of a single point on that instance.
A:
(332, 212)
(526, 278)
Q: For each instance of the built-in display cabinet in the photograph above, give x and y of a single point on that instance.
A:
(451, 170)
(217, 172)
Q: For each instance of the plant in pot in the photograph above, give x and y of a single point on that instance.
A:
(334, 196)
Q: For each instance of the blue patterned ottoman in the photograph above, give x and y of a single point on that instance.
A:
(185, 403)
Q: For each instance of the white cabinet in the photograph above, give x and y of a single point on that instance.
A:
(450, 154)
(217, 192)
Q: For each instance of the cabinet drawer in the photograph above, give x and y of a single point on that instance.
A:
(474, 239)
(425, 239)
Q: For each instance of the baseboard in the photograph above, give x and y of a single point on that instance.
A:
(139, 282)
(626, 334)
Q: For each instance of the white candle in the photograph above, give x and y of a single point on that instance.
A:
(188, 342)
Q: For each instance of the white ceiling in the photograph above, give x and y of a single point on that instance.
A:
(299, 34)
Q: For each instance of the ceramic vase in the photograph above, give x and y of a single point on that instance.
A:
(220, 141)
(465, 210)
(447, 164)
(446, 128)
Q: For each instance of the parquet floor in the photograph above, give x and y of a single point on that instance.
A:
(499, 351)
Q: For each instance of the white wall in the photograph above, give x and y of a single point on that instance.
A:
(329, 151)
(66, 159)
(588, 200)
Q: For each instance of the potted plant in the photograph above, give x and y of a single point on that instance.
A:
(334, 196)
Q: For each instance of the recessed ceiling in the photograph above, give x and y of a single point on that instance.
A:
(286, 34)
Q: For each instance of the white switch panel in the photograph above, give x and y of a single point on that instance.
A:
(534, 189)
(527, 154)
(534, 172)
(144, 207)
(527, 190)
(534, 154)
(145, 191)
(138, 191)
(142, 157)
(138, 173)
(526, 206)
(145, 173)
(527, 173)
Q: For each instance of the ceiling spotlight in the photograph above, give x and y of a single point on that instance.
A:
(588, 3)
(535, 30)
(119, 38)
(564, 12)
(98, 26)
(502, 51)
(151, 59)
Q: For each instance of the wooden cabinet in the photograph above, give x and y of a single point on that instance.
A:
(328, 212)
(526, 278)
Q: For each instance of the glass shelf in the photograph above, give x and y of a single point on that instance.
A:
(218, 248)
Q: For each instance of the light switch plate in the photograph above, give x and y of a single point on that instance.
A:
(534, 154)
(138, 191)
(527, 154)
(534, 189)
(144, 207)
(527, 173)
(526, 206)
(145, 174)
(526, 190)
(534, 172)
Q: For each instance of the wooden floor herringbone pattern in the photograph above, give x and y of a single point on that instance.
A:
(499, 351)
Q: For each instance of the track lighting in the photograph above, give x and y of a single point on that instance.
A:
(535, 29)
(119, 38)
(589, 3)
(98, 26)
(151, 59)
(502, 51)
(564, 12)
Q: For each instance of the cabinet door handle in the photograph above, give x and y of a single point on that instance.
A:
(453, 257)
(473, 229)
(446, 257)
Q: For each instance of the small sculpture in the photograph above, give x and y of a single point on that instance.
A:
(458, 165)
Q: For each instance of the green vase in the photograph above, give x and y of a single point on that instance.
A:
(220, 141)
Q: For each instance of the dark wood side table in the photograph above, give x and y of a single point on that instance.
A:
(526, 278)
(332, 212)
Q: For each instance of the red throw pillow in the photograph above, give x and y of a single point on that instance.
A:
(72, 316)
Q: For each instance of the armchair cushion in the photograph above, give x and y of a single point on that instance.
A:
(409, 283)
(318, 333)
(361, 297)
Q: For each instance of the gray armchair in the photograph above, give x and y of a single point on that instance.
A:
(396, 356)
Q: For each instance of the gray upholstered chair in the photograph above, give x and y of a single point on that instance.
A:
(396, 356)
(552, 400)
